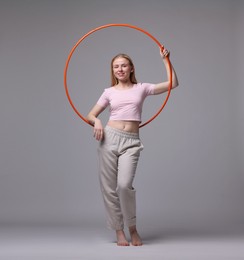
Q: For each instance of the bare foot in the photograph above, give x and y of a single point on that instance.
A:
(121, 239)
(135, 238)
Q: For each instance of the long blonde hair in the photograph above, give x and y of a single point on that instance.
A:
(114, 80)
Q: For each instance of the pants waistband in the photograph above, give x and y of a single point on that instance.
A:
(122, 133)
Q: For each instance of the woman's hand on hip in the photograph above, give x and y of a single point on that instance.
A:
(98, 132)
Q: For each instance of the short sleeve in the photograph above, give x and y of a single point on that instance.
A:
(104, 99)
(148, 88)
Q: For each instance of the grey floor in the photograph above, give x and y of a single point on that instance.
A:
(88, 243)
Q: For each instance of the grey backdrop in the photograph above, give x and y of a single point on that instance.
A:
(190, 175)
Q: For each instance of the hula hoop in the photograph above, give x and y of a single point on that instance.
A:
(100, 28)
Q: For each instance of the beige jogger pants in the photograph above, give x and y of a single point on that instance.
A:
(118, 155)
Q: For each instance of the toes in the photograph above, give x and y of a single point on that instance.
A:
(123, 244)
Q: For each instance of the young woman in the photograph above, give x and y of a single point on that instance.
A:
(120, 145)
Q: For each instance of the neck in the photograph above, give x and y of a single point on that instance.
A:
(127, 84)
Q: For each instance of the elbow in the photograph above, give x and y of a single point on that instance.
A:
(175, 84)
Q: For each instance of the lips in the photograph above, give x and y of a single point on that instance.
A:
(121, 75)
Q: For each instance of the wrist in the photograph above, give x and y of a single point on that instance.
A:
(97, 121)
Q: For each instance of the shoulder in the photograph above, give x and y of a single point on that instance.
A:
(148, 88)
(109, 89)
(144, 84)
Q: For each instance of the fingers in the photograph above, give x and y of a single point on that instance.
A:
(164, 52)
(98, 134)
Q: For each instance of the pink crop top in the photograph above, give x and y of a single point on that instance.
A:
(126, 104)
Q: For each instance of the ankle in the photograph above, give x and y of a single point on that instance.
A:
(120, 232)
(132, 229)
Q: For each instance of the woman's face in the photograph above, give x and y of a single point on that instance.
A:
(122, 69)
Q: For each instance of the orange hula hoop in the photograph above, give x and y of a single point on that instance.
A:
(103, 27)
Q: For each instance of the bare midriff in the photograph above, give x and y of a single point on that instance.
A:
(128, 126)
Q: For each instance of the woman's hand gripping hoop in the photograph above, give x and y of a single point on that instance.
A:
(103, 27)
